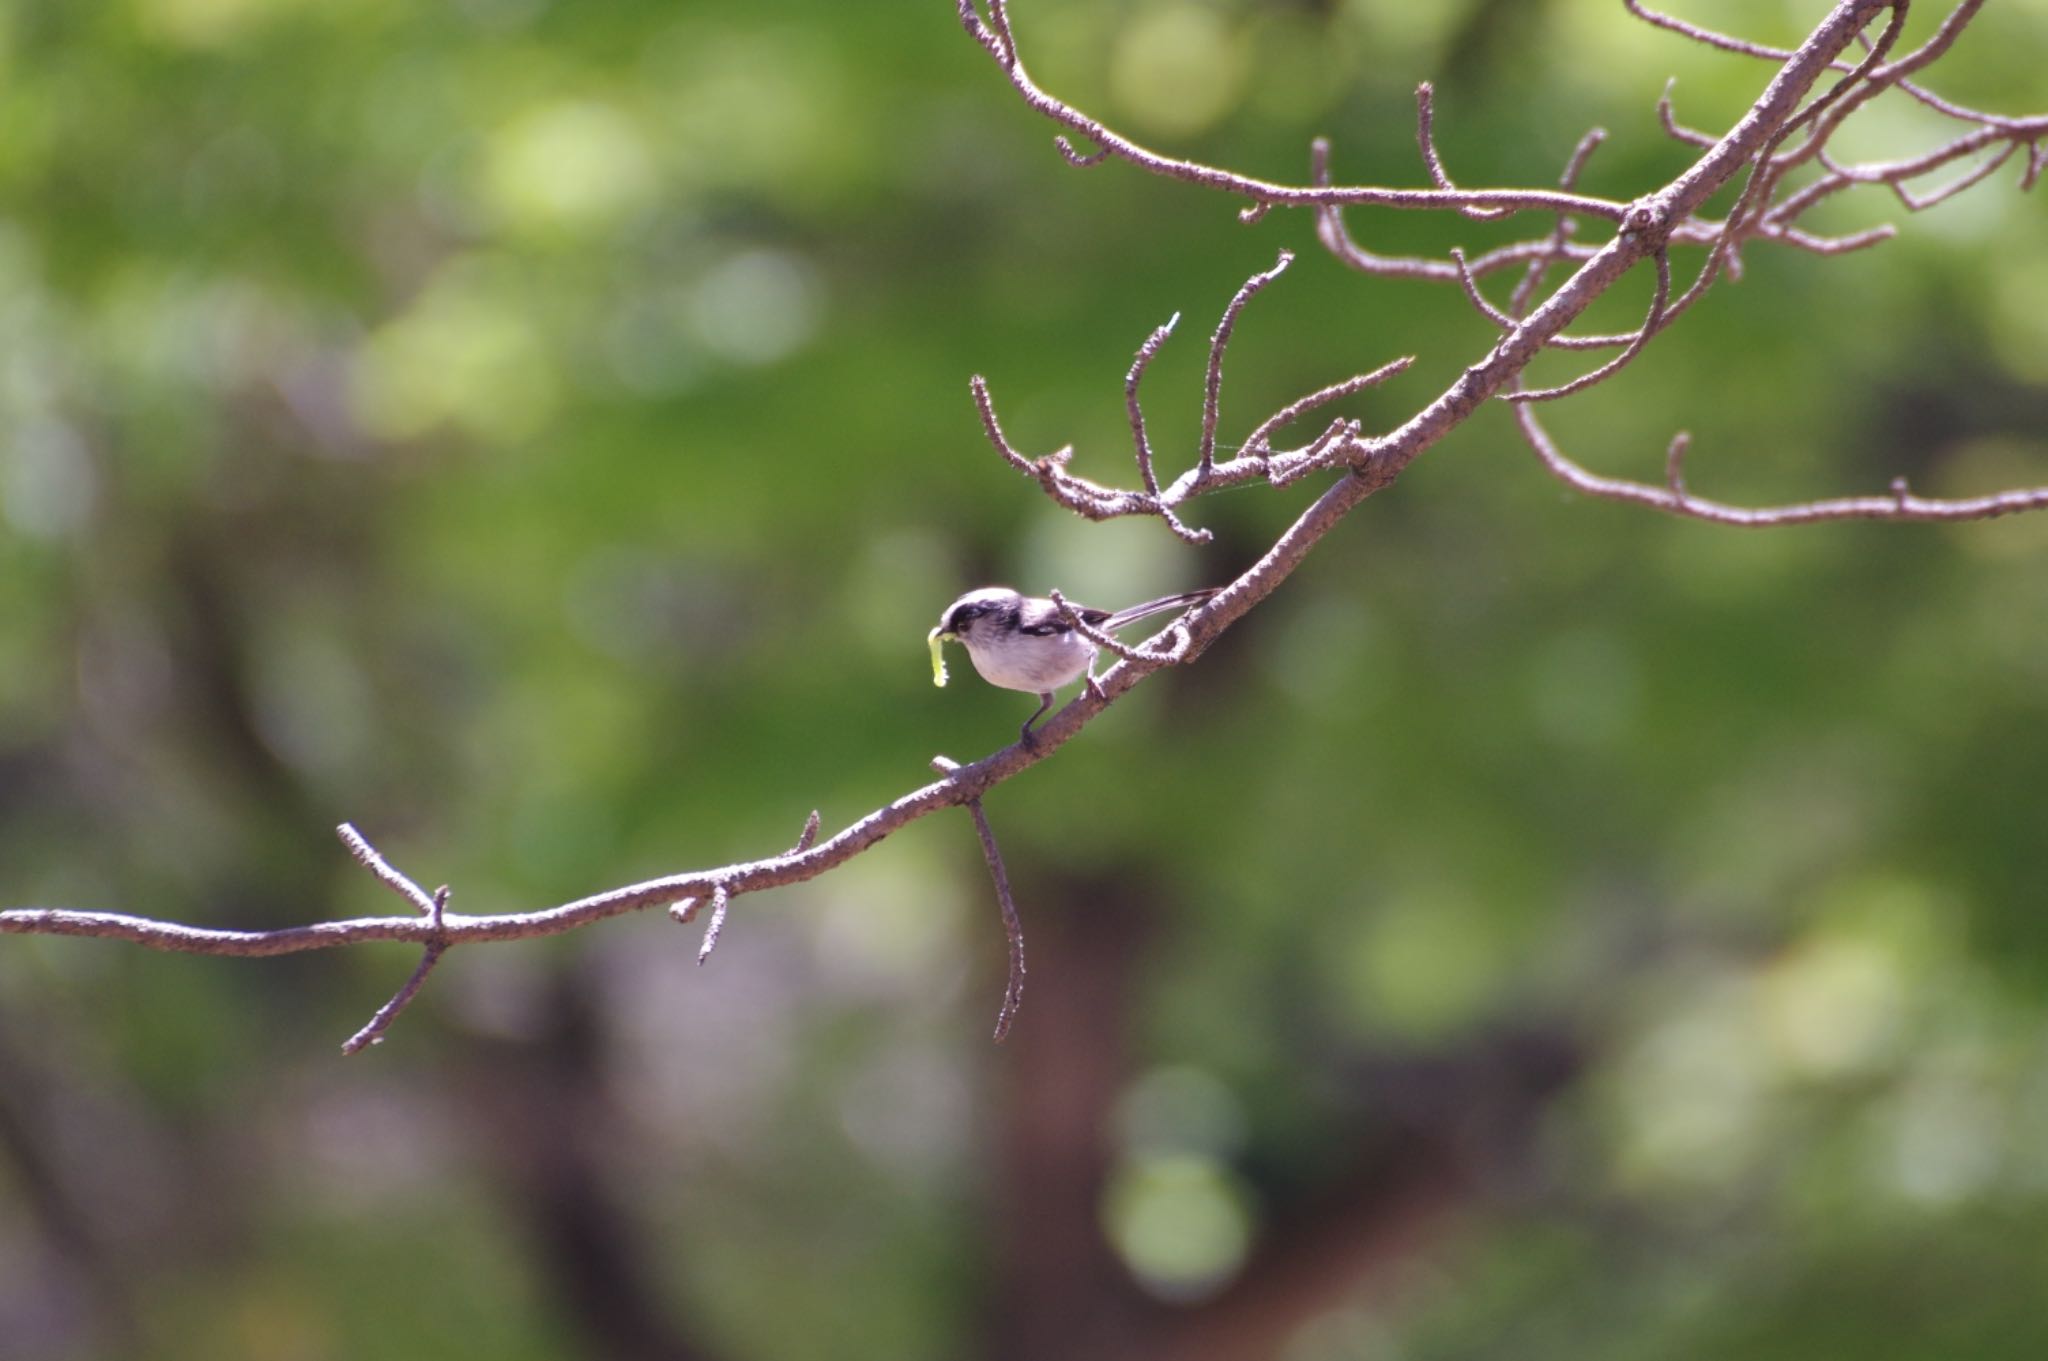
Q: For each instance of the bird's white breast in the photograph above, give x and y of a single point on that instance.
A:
(1032, 664)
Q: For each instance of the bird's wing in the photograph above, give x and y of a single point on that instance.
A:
(1042, 618)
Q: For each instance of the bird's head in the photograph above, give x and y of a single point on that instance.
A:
(977, 611)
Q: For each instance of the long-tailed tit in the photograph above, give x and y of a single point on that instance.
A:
(1023, 642)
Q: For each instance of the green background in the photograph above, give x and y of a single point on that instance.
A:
(539, 433)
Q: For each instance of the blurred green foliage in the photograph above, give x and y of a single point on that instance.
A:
(539, 433)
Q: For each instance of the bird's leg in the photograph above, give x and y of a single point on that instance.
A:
(1089, 683)
(1028, 737)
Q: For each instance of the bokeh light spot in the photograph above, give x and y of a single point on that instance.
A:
(758, 307)
(572, 166)
(1177, 70)
(1182, 1222)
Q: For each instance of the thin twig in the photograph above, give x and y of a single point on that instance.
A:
(1134, 410)
(1779, 54)
(1673, 129)
(1674, 462)
(1109, 642)
(1091, 500)
(1075, 157)
(1085, 498)
(721, 899)
(1212, 389)
(1258, 443)
(995, 40)
(1651, 325)
(1013, 928)
(808, 836)
(1425, 138)
(1336, 238)
(387, 874)
(373, 1033)
(1675, 499)
(1557, 248)
(1123, 148)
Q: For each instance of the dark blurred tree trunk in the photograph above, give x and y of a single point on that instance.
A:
(1061, 1292)
(1433, 1137)
(549, 1130)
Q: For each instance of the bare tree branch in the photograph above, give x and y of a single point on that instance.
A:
(1900, 504)
(1122, 148)
(1786, 130)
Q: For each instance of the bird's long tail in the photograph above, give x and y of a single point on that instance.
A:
(1159, 606)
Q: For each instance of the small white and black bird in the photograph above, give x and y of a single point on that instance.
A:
(1023, 642)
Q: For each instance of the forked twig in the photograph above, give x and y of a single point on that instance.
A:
(1109, 642)
(432, 905)
(1676, 499)
(1258, 443)
(1091, 500)
(1652, 324)
(721, 895)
